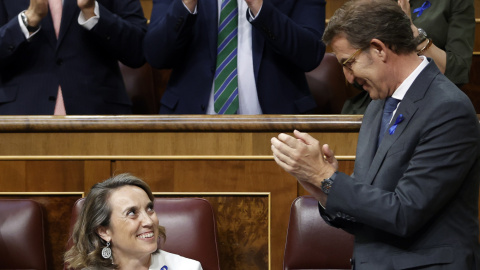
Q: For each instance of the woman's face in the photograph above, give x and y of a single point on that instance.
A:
(133, 229)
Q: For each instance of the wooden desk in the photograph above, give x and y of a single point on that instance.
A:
(224, 159)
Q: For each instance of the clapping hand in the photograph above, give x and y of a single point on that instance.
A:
(37, 10)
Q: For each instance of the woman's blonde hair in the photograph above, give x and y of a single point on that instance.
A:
(87, 248)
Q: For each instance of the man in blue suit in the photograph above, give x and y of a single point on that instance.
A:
(83, 59)
(278, 41)
(412, 201)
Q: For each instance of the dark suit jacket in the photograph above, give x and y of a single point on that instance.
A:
(286, 42)
(414, 201)
(84, 63)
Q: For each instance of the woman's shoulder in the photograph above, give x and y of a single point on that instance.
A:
(173, 261)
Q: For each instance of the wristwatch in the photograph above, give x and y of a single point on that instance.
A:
(327, 183)
(30, 29)
(422, 35)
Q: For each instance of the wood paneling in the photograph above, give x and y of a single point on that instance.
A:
(175, 154)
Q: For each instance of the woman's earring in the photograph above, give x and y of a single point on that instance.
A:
(107, 252)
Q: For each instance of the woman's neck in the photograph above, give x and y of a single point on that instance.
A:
(133, 263)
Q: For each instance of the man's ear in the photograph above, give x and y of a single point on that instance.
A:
(378, 49)
(104, 233)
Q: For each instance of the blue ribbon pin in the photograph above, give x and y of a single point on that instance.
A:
(164, 267)
(392, 129)
(422, 8)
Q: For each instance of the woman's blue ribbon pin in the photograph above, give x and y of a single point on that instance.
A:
(392, 129)
(422, 8)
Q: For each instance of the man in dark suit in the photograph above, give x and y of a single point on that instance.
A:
(412, 201)
(278, 41)
(83, 60)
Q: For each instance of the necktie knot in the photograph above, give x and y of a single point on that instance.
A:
(390, 105)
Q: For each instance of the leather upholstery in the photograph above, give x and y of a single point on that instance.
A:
(328, 85)
(190, 228)
(22, 237)
(313, 244)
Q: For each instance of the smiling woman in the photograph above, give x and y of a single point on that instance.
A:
(118, 229)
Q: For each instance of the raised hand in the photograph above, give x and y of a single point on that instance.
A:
(302, 157)
(36, 11)
(87, 7)
(405, 5)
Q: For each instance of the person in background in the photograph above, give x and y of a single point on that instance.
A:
(265, 48)
(412, 201)
(118, 229)
(61, 56)
(445, 32)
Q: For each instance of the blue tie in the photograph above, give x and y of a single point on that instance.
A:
(390, 106)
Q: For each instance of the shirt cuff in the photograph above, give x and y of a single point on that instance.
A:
(90, 23)
(194, 12)
(24, 28)
(251, 17)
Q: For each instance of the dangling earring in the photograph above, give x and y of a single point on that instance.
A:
(107, 252)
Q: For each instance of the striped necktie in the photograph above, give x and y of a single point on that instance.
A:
(225, 83)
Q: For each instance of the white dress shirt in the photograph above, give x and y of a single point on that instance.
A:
(403, 88)
(247, 89)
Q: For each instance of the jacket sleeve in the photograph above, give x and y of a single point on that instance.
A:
(11, 37)
(460, 40)
(169, 33)
(297, 36)
(121, 31)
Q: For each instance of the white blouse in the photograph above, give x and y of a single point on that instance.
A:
(169, 261)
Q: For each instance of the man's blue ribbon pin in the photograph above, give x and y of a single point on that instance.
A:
(420, 10)
(392, 129)
(164, 267)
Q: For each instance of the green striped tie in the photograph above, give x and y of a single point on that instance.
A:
(225, 84)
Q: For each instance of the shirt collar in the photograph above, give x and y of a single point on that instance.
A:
(403, 88)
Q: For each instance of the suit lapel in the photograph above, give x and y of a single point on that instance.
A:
(367, 138)
(68, 15)
(49, 30)
(257, 51)
(407, 108)
(209, 8)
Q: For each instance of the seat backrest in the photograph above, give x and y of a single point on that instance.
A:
(328, 85)
(22, 235)
(190, 228)
(144, 86)
(312, 243)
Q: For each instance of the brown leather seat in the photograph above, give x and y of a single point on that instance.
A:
(145, 86)
(312, 243)
(141, 88)
(328, 85)
(22, 237)
(190, 228)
